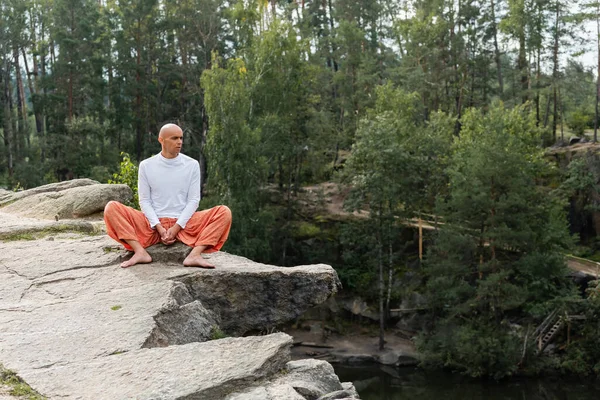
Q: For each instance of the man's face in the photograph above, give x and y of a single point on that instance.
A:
(171, 142)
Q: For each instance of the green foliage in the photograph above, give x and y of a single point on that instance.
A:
(217, 333)
(578, 122)
(582, 356)
(498, 254)
(580, 189)
(116, 308)
(477, 347)
(127, 175)
(17, 386)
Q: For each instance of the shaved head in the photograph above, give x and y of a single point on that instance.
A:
(170, 138)
(169, 128)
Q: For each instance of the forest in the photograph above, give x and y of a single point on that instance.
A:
(442, 110)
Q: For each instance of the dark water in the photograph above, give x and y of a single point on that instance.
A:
(385, 383)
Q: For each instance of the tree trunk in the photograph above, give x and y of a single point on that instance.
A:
(538, 87)
(138, 97)
(598, 73)
(523, 66)
(496, 49)
(562, 115)
(70, 87)
(33, 91)
(390, 273)
(21, 107)
(381, 310)
(555, 72)
(7, 120)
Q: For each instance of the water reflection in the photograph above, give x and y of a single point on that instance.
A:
(385, 383)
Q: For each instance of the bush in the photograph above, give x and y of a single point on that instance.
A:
(578, 121)
(127, 175)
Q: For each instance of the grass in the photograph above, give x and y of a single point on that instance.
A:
(217, 333)
(18, 387)
(13, 237)
(111, 249)
(48, 231)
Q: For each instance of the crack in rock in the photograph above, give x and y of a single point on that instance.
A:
(12, 271)
(105, 265)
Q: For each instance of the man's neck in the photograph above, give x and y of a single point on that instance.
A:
(169, 156)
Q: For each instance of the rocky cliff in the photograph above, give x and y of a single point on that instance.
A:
(74, 325)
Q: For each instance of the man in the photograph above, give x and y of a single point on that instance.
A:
(169, 192)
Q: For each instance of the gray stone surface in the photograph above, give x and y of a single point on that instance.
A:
(75, 325)
(301, 379)
(7, 196)
(358, 306)
(16, 226)
(73, 202)
(255, 298)
(271, 392)
(208, 370)
(347, 393)
(311, 378)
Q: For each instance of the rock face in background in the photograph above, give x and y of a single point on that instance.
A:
(75, 325)
(73, 202)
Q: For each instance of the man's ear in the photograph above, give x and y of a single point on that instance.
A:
(161, 139)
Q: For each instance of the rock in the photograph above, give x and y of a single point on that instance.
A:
(358, 359)
(268, 393)
(15, 227)
(207, 371)
(278, 294)
(348, 392)
(407, 360)
(7, 196)
(582, 279)
(310, 378)
(358, 306)
(397, 357)
(75, 325)
(74, 202)
(413, 321)
(302, 379)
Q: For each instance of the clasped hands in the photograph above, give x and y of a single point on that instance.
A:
(168, 236)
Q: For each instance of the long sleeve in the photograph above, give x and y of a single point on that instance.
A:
(193, 198)
(144, 194)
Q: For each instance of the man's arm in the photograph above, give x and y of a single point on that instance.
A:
(144, 196)
(193, 198)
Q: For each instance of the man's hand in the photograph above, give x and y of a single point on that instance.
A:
(172, 233)
(164, 234)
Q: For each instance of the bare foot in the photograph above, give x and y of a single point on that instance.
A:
(193, 260)
(139, 257)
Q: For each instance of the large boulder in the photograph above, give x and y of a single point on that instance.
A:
(75, 325)
(203, 371)
(301, 379)
(7, 197)
(72, 202)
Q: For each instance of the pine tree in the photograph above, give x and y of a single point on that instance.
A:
(497, 258)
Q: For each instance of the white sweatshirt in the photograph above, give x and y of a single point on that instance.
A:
(169, 187)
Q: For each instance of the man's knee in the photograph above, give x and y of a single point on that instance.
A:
(111, 207)
(226, 212)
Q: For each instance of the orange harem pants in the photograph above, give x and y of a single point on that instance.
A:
(207, 227)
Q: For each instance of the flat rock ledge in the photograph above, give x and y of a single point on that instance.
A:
(74, 325)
